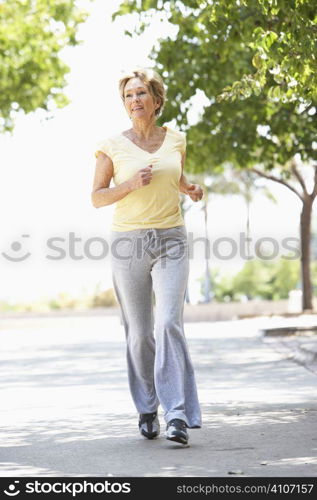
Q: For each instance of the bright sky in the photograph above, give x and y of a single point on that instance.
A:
(47, 169)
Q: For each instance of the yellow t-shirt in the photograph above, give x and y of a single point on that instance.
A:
(156, 205)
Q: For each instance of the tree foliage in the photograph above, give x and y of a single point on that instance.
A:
(32, 34)
(255, 61)
(278, 37)
(258, 279)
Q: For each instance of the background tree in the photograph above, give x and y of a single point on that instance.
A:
(255, 62)
(32, 34)
(277, 36)
(248, 187)
(241, 183)
(212, 185)
(258, 279)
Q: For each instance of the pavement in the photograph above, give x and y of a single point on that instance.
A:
(295, 337)
(67, 411)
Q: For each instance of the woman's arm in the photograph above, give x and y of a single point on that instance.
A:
(102, 195)
(193, 190)
(183, 183)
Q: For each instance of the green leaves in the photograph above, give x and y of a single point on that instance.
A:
(279, 34)
(263, 39)
(244, 88)
(255, 63)
(31, 73)
(258, 60)
(126, 7)
(274, 93)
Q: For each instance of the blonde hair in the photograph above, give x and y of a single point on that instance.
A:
(151, 79)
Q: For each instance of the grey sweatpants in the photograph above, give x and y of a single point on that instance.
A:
(160, 370)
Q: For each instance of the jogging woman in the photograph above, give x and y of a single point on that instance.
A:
(149, 255)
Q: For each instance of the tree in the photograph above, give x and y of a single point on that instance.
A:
(255, 61)
(270, 280)
(212, 185)
(284, 279)
(32, 34)
(278, 37)
(247, 188)
(253, 281)
(241, 183)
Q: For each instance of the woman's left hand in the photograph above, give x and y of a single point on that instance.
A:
(195, 192)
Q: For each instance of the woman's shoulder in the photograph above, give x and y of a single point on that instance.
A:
(176, 133)
(108, 144)
(179, 138)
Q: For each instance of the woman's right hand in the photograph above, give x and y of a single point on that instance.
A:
(141, 178)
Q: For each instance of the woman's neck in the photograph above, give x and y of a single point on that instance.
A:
(144, 130)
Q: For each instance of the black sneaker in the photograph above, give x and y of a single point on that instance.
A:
(149, 425)
(176, 430)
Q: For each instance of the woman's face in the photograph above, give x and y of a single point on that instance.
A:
(138, 101)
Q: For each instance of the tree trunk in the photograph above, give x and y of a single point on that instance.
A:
(305, 230)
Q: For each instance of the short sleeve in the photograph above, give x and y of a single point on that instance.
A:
(183, 142)
(104, 147)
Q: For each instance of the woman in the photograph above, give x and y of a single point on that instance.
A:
(149, 253)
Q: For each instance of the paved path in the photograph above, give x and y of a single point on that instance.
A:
(66, 409)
